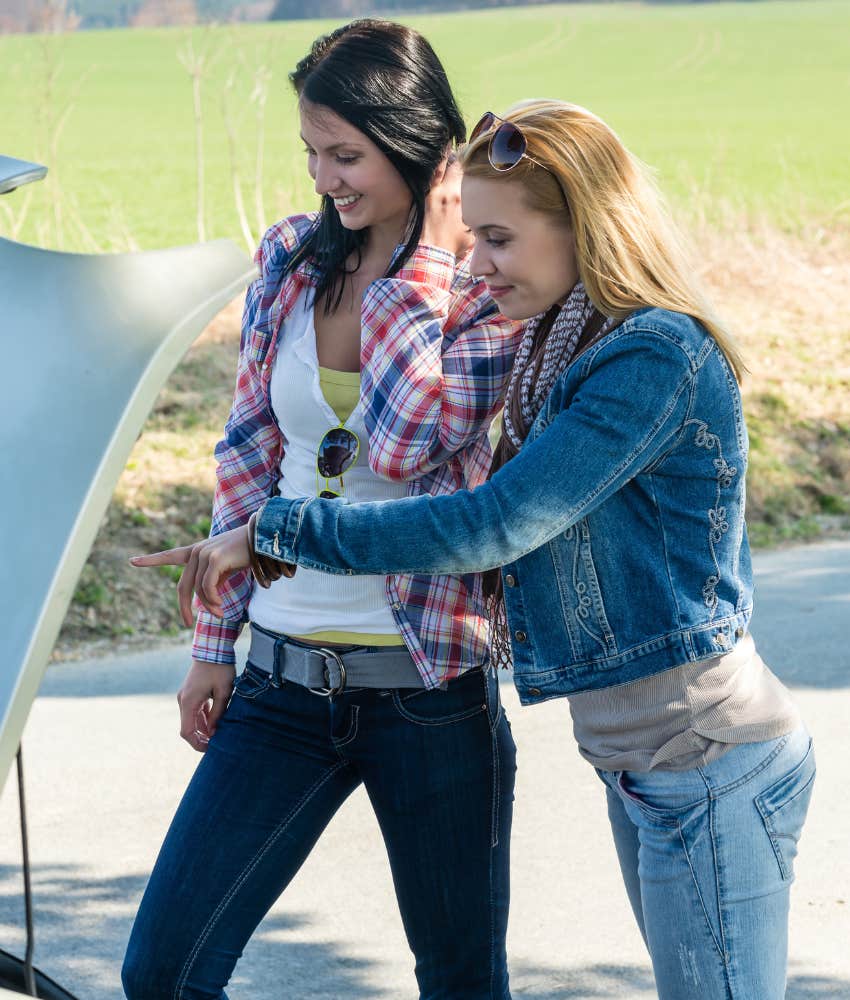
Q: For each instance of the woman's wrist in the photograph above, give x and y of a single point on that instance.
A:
(265, 568)
(256, 566)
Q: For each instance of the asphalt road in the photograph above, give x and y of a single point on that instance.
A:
(105, 768)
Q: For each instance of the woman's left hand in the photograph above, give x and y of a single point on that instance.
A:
(207, 563)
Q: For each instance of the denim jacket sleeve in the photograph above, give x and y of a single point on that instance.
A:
(612, 414)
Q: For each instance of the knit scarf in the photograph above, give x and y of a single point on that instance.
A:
(536, 371)
(537, 367)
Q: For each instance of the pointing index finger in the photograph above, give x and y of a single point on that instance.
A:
(169, 557)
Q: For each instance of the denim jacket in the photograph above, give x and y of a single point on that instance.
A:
(619, 526)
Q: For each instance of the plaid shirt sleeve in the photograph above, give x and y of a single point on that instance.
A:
(249, 453)
(436, 355)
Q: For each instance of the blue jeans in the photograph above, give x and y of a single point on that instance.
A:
(707, 856)
(438, 767)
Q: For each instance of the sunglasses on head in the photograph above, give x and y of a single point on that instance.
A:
(507, 143)
(338, 451)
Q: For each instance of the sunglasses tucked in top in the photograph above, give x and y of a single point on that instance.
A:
(338, 451)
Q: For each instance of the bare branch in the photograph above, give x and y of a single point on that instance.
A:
(259, 96)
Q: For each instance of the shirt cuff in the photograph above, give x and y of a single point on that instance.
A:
(215, 638)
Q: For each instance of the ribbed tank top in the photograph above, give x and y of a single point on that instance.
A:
(316, 606)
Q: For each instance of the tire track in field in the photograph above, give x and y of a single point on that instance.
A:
(539, 48)
(702, 52)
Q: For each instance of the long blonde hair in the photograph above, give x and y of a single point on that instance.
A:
(629, 252)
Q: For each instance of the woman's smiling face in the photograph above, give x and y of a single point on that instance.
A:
(527, 258)
(366, 189)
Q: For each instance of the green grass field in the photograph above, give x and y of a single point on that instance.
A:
(744, 103)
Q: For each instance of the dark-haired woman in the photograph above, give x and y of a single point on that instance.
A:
(371, 364)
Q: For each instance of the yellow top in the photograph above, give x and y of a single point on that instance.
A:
(352, 638)
(342, 392)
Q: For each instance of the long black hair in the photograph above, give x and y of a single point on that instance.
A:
(385, 80)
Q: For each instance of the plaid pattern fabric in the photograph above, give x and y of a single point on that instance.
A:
(435, 360)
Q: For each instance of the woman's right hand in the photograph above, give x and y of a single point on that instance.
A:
(443, 225)
(202, 699)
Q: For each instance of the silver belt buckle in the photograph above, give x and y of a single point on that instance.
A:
(333, 690)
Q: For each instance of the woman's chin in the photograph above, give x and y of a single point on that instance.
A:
(517, 311)
(352, 224)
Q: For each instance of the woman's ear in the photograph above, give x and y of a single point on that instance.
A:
(446, 160)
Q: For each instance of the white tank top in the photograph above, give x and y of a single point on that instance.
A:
(312, 601)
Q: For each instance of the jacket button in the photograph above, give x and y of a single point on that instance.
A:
(520, 636)
(535, 692)
(510, 580)
(739, 631)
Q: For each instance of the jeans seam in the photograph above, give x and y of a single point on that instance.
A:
(717, 944)
(494, 722)
(718, 889)
(244, 875)
(720, 944)
(492, 930)
(352, 729)
(494, 840)
(715, 793)
(494, 833)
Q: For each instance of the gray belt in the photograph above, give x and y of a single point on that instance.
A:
(329, 671)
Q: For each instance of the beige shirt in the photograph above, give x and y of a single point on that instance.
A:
(684, 717)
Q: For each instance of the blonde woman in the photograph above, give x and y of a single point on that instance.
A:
(616, 513)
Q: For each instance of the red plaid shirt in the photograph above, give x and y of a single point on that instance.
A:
(435, 359)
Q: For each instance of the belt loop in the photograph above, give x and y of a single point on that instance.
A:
(277, 657)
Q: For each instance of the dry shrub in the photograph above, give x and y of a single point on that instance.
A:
(785, 294)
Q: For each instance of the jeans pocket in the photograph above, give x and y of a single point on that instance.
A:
(783, 807)
(664, 806)
(462, 699)
(252, 682)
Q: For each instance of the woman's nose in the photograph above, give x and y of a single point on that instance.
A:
(479, 261)
(323, 178)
